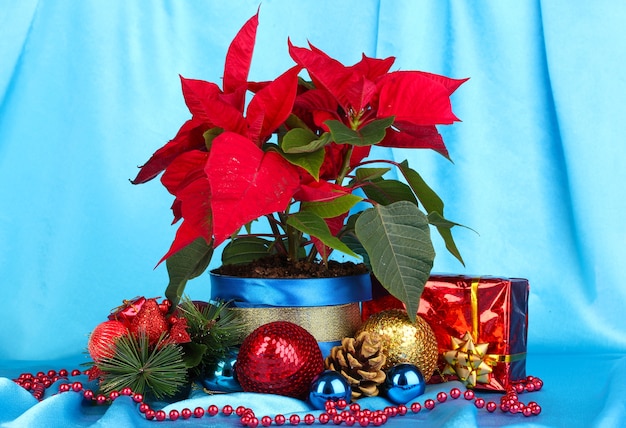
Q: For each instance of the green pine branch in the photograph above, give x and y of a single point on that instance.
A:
(214, 330)
(158, 371)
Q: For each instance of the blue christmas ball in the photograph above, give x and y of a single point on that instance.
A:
(404, 382)
(329, 385)
(223, 379)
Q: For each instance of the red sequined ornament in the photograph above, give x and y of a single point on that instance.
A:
(279, 358)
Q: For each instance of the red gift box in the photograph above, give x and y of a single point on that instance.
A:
(481, 325)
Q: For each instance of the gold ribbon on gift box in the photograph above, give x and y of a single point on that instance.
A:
(469, 360)
(325, 323)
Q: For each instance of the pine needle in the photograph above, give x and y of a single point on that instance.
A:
(215, 327)
(160, 372)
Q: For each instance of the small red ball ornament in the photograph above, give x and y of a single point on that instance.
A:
(102, 339)
(279, 358)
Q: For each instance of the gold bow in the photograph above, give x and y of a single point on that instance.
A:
(468, 361)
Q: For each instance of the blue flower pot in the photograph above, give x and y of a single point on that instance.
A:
(329, 308)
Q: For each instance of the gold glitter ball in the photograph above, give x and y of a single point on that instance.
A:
(404, 341)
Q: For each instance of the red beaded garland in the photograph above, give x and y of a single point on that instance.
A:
(160, 415)
(429, 404)
(339, 412)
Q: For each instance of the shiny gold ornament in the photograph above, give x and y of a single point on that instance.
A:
(404, 341)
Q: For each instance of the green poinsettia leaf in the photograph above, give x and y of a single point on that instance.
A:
(427, 196)
(209, 135)
(444, 227)
(434, 207)
(294, 121)
(245, 250)
(368, 135)
(184, 265)
(435, 219)
(314, 225)
(369, 174)
(352, 241)
(397, 240)
(299, 140)
(301, 147)
(386, 192)
(333, 208)
(311, 162)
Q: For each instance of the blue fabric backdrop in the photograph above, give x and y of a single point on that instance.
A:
(89, 89)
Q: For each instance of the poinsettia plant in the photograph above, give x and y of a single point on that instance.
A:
(296, 155)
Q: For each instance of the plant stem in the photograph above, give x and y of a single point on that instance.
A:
(293, 237)
(311, 257)
(277, 235)
(293, 241)
(345, 166)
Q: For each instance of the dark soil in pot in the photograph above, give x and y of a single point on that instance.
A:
(280, 267)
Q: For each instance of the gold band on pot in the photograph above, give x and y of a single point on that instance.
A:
(325, 323)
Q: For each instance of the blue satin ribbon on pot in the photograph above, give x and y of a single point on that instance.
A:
(259, 292)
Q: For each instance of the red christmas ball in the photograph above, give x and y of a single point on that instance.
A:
(279, 358)
(102, 339)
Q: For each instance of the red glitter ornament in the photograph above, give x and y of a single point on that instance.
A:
(150, 320)
(102, 339)
(279, 358)
(178, 330)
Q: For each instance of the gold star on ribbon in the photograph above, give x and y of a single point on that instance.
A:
(468, 361)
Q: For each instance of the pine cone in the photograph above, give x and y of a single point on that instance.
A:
(360, 361)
